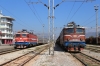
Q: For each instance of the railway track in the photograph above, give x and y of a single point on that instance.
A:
(22, 60)
(86, 60)
(93, 48)
(8, 51)
(11, 50)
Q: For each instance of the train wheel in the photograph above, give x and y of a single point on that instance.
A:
(15, 47)
(29, 46)
(79, 49)
(66, 49)
(32, 45)
(74, 48)
(23, 46)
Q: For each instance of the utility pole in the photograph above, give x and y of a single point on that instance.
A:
(51, 8)
(0, 29)
(51, 18)
(51, 25)
(55, 29)
(96, 10)
(43, 33)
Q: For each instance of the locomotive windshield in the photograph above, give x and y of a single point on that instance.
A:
(70, 30)
(79, 30)
(17, 35)
(24, 35)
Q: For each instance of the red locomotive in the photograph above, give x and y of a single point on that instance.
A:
(25, 39)
(72, 37)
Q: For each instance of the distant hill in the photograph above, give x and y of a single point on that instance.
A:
(88, 34)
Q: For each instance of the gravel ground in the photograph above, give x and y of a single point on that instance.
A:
(10, 56)
(93, 45)
(93, 54)
(60, 58)
(6, 47)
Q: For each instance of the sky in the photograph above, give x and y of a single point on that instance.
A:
(32, 15)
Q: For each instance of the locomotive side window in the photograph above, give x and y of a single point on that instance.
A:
(79, 30)
(70, 30)
(17, 35)
(24, 35)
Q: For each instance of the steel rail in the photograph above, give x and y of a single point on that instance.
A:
(79, 59)
(31, 57)
(84, 63)
(8, 51)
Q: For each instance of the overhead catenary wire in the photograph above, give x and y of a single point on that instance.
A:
(40, 21)
(78, 8)
(70, 12)
(76, 11)
(79, 0)
(88, 29)
(88, 19)
(90, 22)
(54, 6)
(15, 16)
(37, 16)
(85, 22)
(34, 13)
(37, 13)
(91, 29)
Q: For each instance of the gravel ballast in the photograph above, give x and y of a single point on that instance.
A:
(7, 57)
(60, 58)
(92, 54)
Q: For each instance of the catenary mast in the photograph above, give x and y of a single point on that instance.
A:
(51, 8)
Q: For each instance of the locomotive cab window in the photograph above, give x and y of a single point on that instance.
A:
(24, 35)
(70, 30)
(17, 35)
(79, 30)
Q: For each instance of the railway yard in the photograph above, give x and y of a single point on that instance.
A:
(39, 56)
(31, 35)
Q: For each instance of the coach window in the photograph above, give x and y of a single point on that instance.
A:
(17, 35)
(70, 30)
(23, 35)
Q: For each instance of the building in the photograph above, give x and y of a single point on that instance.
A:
(6, 29)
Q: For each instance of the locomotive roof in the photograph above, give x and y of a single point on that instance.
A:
(22, 33)
(75, 27)
(25, 33)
